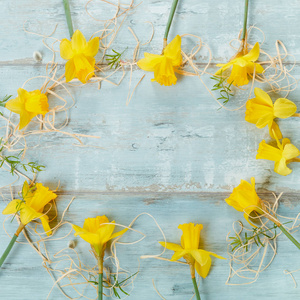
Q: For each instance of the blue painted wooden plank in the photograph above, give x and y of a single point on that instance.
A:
(168, 139)
(217, 22)
(171, 279)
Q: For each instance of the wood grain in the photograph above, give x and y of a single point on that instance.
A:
(171, 153)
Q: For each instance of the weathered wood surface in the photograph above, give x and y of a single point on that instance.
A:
(170, 153)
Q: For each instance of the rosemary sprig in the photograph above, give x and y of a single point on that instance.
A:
(15, 162)
(256, 236)
(3, 102)
(18, 208)
(223, 87)
(114, 59)
(117, 285)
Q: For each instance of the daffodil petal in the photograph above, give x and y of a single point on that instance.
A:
(284, 108)
(105, 232)
(178, 255)
(224, 67)
(247, 216)
(14, 105)
(216, 255)
(27, 214)
(258, 68)
(238, 76)
(78, 42)
(281, 167)
(66, 51)
(12, 207)
(173, 51)
(91, 238)
(203, 270)
(119, 233)
(25, 118)
(253, 55)
(264, 98)
(70, 70)
(201, 256)
(92, 47)
(274, 131)
(290, 151)
(172, 246)
(149, 62)
(45, 222)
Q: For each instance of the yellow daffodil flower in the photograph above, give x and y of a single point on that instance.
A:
(282, 155)
(163, 65)
(80, 55)
(97, 232)
(28, 105)
(261, 111)
(32, 205)
(244, 198)
(198, 259)
(242, 66)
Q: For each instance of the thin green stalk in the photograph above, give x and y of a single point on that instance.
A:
(10, 245)
(289, 236)
(171, 15)
(100, 286)
(7, 250)
(68, 16)
(245, 20)
(196, 288)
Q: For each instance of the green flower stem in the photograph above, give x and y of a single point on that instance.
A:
(10, 245)
(245, 20)
(289, 236)
(100, 280)
(100, 286)
(171, 15)
(196, 288)
(68, 16)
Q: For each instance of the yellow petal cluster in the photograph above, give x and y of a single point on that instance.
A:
(28, 105)
(282, 155)
(242, 66)
(80, 56)
(32, 205)
(164, 65)
(189, 249)
(262, 112)
(97, 232)
(244, 198)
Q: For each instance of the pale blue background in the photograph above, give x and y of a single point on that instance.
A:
(170, 153)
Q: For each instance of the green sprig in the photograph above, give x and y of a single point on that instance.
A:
(255, 235)
(114, 59)
(15, 162)
(116, 285)
(223, 87)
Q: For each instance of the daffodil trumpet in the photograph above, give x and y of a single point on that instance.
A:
(245, 199)
(31, 207)
(170, 19)
(198, 259)
(68, 16)
(97, 232)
